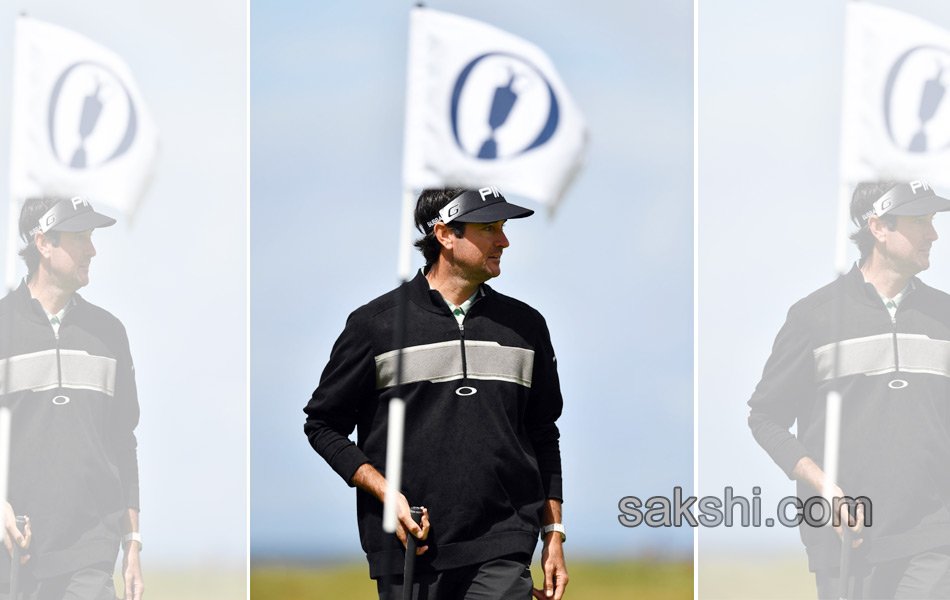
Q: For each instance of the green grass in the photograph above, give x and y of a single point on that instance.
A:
(589, 581)
(191, 584)
(763, 578)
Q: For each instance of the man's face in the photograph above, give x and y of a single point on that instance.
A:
(907, 248)
(69, 262)
(477, 254)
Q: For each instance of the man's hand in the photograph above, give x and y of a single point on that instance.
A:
(368, 479)
(855, 521)
(808, 471)
(552, 557)
(555, 572)
(405, 522)
(131, 566)
(12, 534)
(132, 572)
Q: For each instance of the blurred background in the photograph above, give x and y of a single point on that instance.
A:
(769, 120)
(176, 276)
(611, 272)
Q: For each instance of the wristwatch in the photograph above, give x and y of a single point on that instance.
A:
(558, 527)
(133, 537)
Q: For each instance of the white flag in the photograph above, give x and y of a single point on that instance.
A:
(79, 123)
(896, 105)
(485, 107)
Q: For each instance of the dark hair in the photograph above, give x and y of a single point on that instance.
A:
(428, 205)
(862, 202)
(33, 209)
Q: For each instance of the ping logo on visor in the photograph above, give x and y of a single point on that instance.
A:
(901, 194)
(484, 205)
(914, 198)
(71, 214)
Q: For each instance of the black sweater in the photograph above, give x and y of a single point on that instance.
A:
(73, 465)
(484, 463)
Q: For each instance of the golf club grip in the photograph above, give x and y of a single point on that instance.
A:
(845, 573)
(409, 569)
(15, 562)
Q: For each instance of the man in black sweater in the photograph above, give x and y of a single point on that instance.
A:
(67, 374)
(889, 361)
(482, 397)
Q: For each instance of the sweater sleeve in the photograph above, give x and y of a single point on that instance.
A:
(127, 418)
(543, 410)
(348, 380)
(787, 381)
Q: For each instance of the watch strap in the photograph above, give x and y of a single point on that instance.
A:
(558, 527)
(133, 537)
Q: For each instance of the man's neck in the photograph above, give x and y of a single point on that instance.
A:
(885, 280)
(453, 288)
(51, 297)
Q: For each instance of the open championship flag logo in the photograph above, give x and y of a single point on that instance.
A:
(502, 106)
(92, 118)
(916, 107)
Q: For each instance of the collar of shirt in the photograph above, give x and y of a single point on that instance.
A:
(460, 311)
(57, 319)
(891, 304)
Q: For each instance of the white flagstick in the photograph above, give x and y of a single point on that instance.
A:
(833, 400)
(832, 435)
(397, 406)
(13, 231)
(5, 419)
(405, 234)
(6, 415)
(397, 420)
(844, 217)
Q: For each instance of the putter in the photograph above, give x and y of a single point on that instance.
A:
(409, 569)
(15, 562)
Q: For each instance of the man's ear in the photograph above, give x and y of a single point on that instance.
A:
(445, 235)
(43, 244)
(878, 228)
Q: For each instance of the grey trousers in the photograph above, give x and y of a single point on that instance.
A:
(925, 575)
(85, 584)
(499, 579)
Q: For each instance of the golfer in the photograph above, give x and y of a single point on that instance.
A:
(890, 360)
(482, 398)
(68, 377)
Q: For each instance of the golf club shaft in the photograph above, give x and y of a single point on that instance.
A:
(845, 573)
(409, 569)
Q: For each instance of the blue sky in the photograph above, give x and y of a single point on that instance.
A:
(612, 272)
